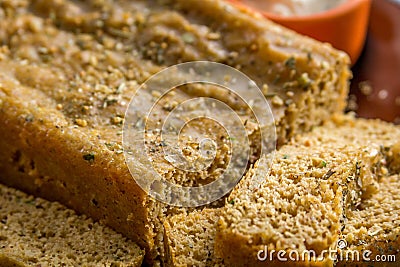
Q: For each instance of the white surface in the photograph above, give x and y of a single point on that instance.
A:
(294, 7)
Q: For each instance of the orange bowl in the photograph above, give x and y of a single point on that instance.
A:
(344, 26)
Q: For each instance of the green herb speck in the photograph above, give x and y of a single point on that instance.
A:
(304, 80)
(89, 157)
(30, 202)
(270, 95)
(290, 63)
(309, 56)
(163, 144)
(188, 37)
(109, 145)
(276, 79)
(29, 118)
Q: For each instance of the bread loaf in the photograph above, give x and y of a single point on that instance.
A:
(69, 69)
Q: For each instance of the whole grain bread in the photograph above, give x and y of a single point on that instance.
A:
(321, 187)
(36, 232)
(303, 201)
(189, 238)
(374, 226)
(68, 70)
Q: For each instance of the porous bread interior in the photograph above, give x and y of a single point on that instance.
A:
(374, 226)
(311, 185)
(189, 238)
(36, 232)
(349, 152)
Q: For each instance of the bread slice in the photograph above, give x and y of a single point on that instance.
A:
(68, 71)
(374, 226)
(189, 238)
(303, 202)
(36, 232)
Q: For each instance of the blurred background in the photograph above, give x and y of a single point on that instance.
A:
(375, 88)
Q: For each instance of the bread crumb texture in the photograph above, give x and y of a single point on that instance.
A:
(316, 186)
(375, 225)
(189, 238)
(36, 232)
(334, 183)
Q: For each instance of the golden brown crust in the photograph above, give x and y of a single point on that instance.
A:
(43, 158)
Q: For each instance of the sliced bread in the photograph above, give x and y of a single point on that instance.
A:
(373, 229)
(36, 232)
(189, 238)
(303, 202)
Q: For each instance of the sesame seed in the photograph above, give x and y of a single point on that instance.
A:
(81, 122)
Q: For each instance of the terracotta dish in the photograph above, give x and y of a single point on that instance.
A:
(343, 26)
